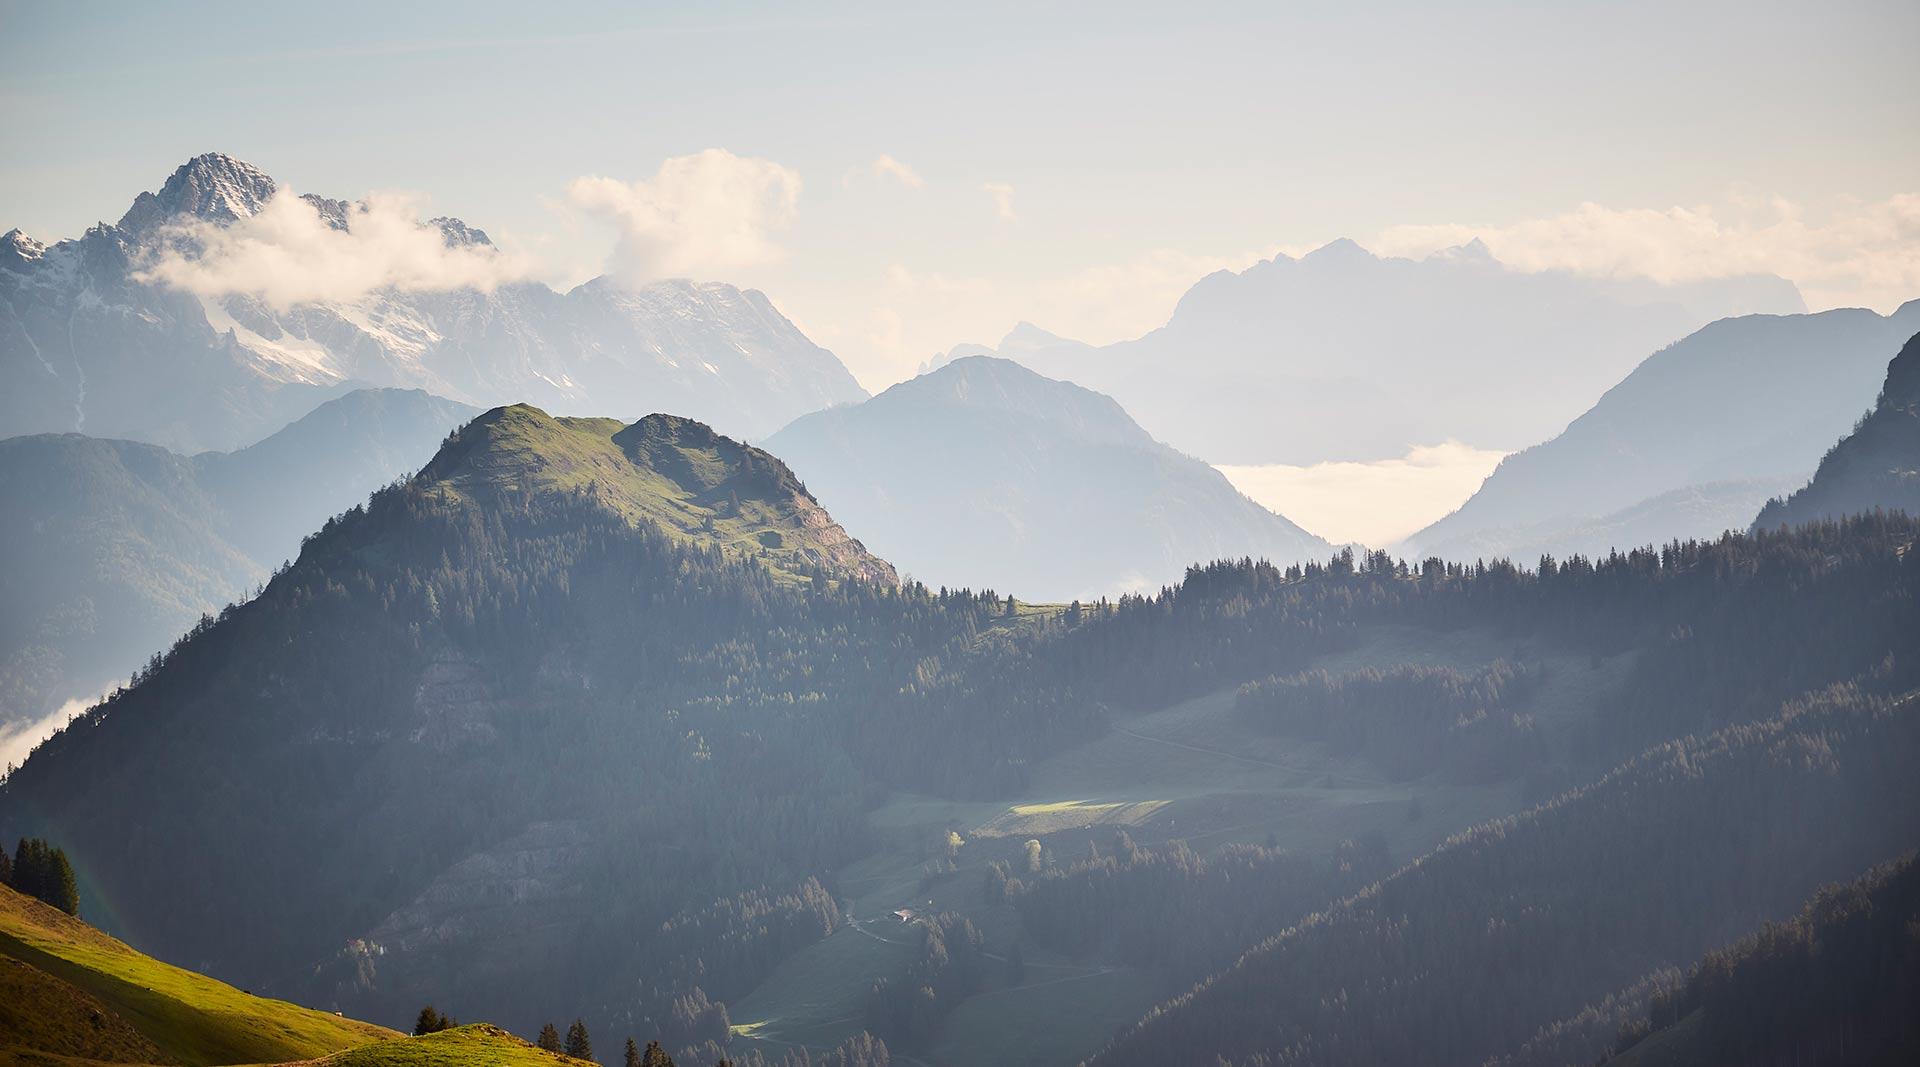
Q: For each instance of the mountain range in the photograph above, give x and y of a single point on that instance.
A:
(88, 345)
(112, 549)
(1344, 355)
(985, 473)
(1692, 443)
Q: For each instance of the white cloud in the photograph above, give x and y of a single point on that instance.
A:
(698, 216)
(1002, 195)
(17, 740)
(1377, 503)
(287, 254)
(1852, 253)
(888, 167)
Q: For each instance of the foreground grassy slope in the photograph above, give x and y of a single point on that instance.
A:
(58, 968)
(480, 1045)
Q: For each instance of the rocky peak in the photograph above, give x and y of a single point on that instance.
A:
(1902, 389)
(458, 233)
(17, 249)
(212, 187)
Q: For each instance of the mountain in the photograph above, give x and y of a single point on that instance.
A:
(629, 601)
(1875, 466)
(112, 549)
(1687, 445)
(985, 473)
(1344, 355)
(551, 730)
(86, 346)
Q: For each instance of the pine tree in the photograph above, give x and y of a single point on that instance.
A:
(432, 1022)
(549, 1038)
(63, 889)
(633, 1054)
(6, 868)
(655, 1056)
(579, 1045)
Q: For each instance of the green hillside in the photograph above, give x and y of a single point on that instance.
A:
(72, 991)
(671, 472)
(467, 1046)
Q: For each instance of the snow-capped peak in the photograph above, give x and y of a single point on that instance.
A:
(214, 187)
(458, 233)
(17, 249)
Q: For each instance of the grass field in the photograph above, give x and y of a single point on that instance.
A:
(816, 999)
(188, 1018)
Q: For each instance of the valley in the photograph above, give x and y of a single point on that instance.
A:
(1197, 772)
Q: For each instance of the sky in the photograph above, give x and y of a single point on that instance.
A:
(902, 178)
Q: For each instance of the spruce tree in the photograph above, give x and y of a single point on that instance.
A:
(429, 1022)
(579, 1046)
(549, 1038)
(633, 1054)
(63, 889)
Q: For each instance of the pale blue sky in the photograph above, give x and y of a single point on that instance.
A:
(1142, 147)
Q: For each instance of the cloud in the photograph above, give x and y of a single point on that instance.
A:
(885, 166)
(287, 254)
(1002, 195)
(17, 740)
(699, 216)
(1377, 503)
(1852, 253)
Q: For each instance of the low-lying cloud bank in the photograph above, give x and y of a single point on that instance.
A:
(18, 739)
(1853, 254)
(289, 254)
(1376, 504)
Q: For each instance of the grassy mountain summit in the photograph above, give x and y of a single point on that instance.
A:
(674, 473)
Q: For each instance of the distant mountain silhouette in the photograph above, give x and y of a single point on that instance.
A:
(1875, 466)
(111, 549)
(1688, 445)
(984, 473)
(1344, 355)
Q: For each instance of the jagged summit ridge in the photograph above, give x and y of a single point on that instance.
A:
(90, 342)
(213, 187)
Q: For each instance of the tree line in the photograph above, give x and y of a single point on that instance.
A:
(41, 871)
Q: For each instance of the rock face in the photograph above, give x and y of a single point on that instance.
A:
(1687, 446)
(1875, 466)
(984, 474)
(85, 346)
(1345, 355)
